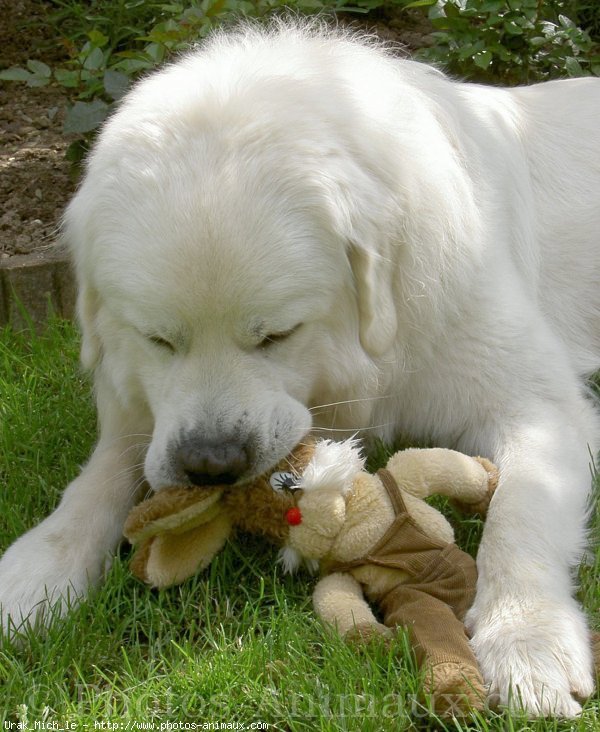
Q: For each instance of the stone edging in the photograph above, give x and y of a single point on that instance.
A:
(41, 282)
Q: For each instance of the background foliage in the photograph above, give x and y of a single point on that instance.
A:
(513, 41)
(110, 42)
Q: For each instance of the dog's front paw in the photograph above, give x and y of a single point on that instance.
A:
(536, 657)
(41, 574)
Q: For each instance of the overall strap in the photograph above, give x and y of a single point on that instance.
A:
(393, 491)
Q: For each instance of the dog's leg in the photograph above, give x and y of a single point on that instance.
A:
(528, 632)
(68, 552)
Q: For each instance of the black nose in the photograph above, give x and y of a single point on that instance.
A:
(212, 464)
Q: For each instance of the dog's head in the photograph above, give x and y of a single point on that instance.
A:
(231, 240)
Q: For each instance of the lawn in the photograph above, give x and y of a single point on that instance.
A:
(238, 644)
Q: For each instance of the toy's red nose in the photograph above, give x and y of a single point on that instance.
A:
(293, 516)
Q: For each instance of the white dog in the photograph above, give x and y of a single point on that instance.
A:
(291, 227)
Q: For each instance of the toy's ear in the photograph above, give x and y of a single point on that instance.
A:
(373, 278)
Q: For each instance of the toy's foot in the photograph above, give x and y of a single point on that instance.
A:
(596, 652)
(535, 659)
(367, 632)
(454, 688)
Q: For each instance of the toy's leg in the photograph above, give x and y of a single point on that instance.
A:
(339, 601)
(441, 647)
(69, 550)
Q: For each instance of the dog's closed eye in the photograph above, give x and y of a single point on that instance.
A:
(161, 342)
(273, 338)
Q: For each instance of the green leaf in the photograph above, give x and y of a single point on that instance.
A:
(451, 10)
(86, 116)
(537, 41)
(95, 60)
(420, 4)
(16, 73)
(67, 78)
(566, 22)
(132, 66)
(436, 12)
(573, 67)
(97, 38)
(115, 83)
(155, 51)
(483, 59)
(512, 28)
(39, 69)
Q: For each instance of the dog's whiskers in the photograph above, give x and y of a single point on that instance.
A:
(129, 471)
(141, 446)
(353, 430)
(135, 487)
(133, 434)
(350, 401)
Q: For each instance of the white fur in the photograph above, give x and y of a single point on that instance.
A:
(333, 465)
(291, 560)
(439, 243)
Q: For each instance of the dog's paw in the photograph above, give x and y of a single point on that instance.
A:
(535, 658)
(41, 575)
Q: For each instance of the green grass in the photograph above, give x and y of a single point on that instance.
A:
(237, 644)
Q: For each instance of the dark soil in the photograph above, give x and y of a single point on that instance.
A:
(34, 175)
(36, 180)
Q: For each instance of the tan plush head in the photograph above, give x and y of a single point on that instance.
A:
(344, 510)
(322, 493)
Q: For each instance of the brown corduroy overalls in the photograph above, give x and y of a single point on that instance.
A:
(433, 601)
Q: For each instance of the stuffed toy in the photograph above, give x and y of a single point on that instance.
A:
(375, 538)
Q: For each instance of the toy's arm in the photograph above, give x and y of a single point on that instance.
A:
(423, 472)
(339, 601)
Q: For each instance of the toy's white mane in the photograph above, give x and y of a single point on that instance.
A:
(333, 465)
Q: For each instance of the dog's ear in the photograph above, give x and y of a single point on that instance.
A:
(373, 278)
(74, 232)
(87, 311)
(364, 214)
